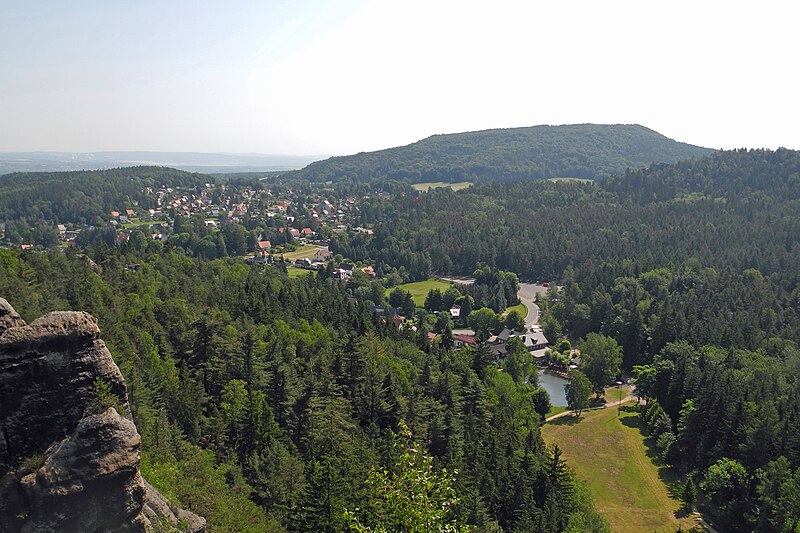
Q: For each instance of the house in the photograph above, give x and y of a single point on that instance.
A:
(322, 255)
(304, 262)
(388, 313)
(62, 229)
(533, 341)
(498, 350)
(505, 335)
(369, 271)
(130, 212)
(123, 219)
(114, 214)
(462, 339)
(455, 312)
(307, 232)
(295, 233)
(264, 245)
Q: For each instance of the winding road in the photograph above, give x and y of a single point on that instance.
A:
(527, 295)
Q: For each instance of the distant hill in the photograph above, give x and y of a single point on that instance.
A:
(84, 195)
(591, 151)
(207, 163)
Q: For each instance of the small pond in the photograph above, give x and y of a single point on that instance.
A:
(554, 386)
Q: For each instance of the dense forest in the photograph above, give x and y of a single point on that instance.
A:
(269, 404)
(589, 151)
(692, 268)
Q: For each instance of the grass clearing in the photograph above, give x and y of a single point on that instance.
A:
(520, 308)
(419, 289)
(436, 184)
(294, 272)
(610, 454)
(305, 250)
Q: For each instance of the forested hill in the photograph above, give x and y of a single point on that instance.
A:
(581, 151)
(65, 197)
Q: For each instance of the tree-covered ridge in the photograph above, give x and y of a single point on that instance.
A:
(580, 151)
(727, 174)
(744, 217)
(83, 196)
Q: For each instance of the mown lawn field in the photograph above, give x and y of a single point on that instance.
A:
(436, 184)
(419, 289)
(303, 251)
(610, 454)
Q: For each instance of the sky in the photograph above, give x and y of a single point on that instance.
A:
(340, 77)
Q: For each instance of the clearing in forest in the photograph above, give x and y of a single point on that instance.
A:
(610, 454)
(436, 184)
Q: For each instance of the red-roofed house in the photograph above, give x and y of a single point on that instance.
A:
(308, 232)
(264, 245)
(462, 339)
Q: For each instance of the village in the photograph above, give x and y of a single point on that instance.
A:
(291, 230)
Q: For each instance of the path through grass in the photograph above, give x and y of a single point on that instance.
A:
(609, 453)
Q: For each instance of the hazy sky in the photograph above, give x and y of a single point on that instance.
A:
(313, 77)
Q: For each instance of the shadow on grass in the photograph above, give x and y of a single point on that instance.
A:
(569, 420)
(671, 477)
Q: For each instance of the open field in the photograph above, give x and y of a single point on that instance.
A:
(419, 289)
(293, 272)
(306, 250)
(436, 184)
(609, 453)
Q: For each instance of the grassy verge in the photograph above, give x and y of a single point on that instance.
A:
(519, 308)
(419, 289)
(609, 453)
(554, 410)
(436, 184)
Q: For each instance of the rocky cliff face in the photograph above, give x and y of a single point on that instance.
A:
(67, 462)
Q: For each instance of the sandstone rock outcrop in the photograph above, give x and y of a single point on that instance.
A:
(64, 467)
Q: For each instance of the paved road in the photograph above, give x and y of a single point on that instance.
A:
(527, 294)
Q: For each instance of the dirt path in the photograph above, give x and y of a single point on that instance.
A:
(606, 406)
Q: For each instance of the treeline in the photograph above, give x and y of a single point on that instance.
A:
(270, 404)
(732, 418)
(590, 151)
(83, 197)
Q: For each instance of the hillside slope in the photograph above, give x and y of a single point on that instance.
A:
(582, 151)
